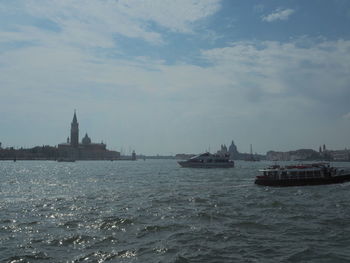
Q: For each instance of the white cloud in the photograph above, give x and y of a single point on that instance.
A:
(247, 85)
(98, 23)
(177, 15)
(279, 14)
(267, 73)
(80, 20)
(285, 86)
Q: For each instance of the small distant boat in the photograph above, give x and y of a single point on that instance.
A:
(300, 175)
(69, 160)
(208, 160)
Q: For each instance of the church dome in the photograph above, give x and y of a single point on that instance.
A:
(86, 140)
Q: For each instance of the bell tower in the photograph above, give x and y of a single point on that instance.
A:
(74, 132)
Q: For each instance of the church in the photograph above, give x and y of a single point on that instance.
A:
(86, 150)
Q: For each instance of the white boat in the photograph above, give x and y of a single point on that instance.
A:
(208, 160)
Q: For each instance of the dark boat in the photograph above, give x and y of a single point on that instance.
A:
(300, 175)
(67, 160)
(208, 160)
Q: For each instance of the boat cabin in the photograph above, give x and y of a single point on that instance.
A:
(297, 172)
(209, 158)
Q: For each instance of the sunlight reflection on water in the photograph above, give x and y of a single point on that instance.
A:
(156, 211)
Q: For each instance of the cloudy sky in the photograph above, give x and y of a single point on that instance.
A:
(174, 76)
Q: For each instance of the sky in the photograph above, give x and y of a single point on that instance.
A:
(176, 76)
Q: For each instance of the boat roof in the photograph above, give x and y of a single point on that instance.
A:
(201, 155)
(299, 167)
(208, 154)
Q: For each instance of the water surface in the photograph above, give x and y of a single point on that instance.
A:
(156, 211)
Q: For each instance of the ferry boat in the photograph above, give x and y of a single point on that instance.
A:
(208, 160)
(304, 174)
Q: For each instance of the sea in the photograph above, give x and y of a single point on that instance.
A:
(156, 211)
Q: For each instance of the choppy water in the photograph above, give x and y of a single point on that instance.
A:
(155, 211)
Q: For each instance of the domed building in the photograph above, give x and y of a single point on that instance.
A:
(86, 140)
(234, 154)
(86, 150)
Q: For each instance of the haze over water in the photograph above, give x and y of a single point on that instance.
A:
(155, 211)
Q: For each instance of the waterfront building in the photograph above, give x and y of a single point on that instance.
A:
(278, 156)
(340, 155)
(297, 155)
(86, 150)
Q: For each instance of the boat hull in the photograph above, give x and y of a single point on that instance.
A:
(205, 165)
(302, 182)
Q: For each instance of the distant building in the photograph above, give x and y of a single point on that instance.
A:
(340, 155)
(278, 156)
(304, 154)
(298, 155)
(223, 150)
(236, 155)
(86, 150)
(232, 149)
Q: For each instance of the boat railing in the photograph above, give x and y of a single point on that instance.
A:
(294, 174)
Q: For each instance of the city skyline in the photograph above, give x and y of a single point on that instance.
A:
(86, 149)
(176, 76)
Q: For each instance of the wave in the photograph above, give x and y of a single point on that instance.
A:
(28, 257)
(157, 229)
(102, 256)
(71, 240)
(114, 223)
